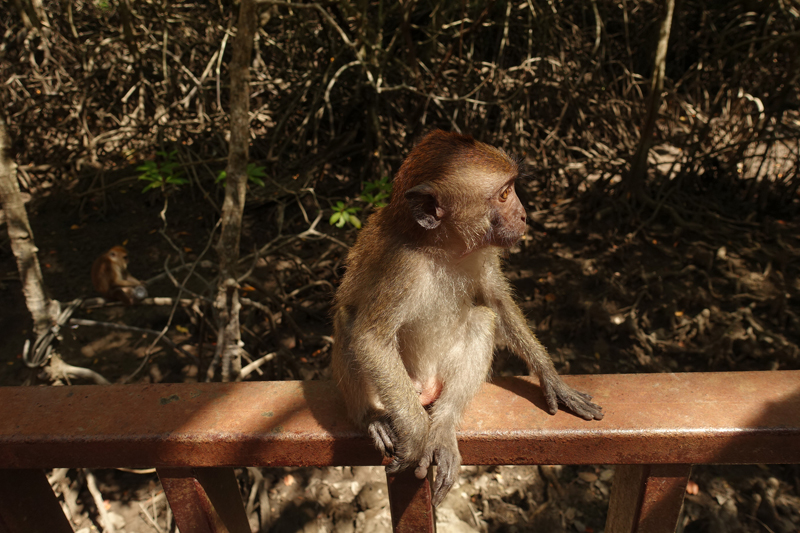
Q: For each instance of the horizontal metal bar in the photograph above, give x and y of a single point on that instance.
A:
(650, 419)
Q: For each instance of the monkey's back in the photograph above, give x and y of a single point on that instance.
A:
(101, 276)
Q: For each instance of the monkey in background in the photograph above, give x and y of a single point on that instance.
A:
(110, 277)
(423, 304)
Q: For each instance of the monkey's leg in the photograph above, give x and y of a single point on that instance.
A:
(122, 294)
(462, 371)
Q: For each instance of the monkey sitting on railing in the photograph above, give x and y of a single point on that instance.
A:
(424, 302)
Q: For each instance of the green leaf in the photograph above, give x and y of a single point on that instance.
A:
(257, 171)
(147, 166)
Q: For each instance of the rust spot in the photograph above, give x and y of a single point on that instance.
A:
(169, 399)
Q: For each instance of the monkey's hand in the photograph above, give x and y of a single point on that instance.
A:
(383, 435)
(442, 449)
(556, 391)
(403, 440)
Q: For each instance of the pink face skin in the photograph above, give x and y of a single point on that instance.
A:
(507, 218)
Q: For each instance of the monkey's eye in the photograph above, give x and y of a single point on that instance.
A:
(505, 193)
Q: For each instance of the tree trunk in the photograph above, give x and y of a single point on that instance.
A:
(635, 178)
(227, 301)
(43, 310)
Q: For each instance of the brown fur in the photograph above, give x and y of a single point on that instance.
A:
(110, 277)
(423, 304)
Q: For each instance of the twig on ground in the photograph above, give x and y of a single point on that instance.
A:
(140, 471)
(42, 347)
(159, 301)
(255, 365)
(123, 327)
(91, 484)
(61, 483)
(149, 518)
(58, 369)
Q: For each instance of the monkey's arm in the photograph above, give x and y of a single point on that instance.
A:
(513, 332)
(368, 367)
(126, 280)
(408, 422)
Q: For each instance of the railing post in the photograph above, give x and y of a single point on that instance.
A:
(646, 498)
(27, 503)
(410, 502)
(205, 500)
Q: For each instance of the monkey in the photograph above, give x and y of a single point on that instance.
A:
(423, 304)
(112, 280)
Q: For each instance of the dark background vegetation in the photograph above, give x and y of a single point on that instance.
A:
(692, 266)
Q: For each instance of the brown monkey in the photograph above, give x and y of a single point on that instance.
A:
(423, 304)
(110, 277)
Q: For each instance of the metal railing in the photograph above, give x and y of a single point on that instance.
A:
(656, 426)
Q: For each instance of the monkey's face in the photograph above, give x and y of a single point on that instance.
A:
(477, 209)
(119, 255)
(506, 217)
(490, 214)
(462, 193)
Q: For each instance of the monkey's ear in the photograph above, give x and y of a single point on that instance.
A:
(425, 205)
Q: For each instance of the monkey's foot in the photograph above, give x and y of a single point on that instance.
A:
(447, 458)
(383, 436)
(557, 392)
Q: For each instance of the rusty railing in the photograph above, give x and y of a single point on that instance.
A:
(656, 426)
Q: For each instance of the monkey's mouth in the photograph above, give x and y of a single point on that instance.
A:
(503, 239)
